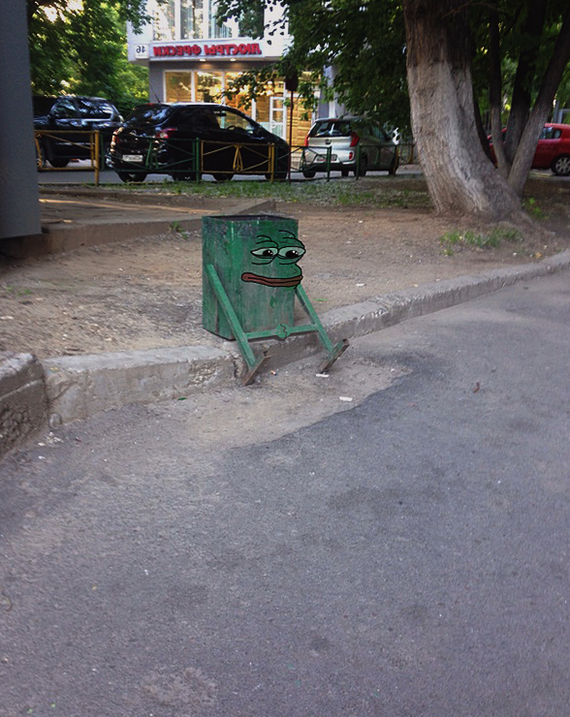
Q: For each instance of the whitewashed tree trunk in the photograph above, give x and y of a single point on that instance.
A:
(459, 175)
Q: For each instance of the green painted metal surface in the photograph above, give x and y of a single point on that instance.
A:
(255, 258)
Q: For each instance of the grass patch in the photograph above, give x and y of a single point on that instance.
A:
(475, 240)
(377, 192)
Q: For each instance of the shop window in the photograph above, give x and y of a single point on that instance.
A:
(239, 100)
(208, 87)
(178, 86)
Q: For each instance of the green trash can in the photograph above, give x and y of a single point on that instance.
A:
(255, 259)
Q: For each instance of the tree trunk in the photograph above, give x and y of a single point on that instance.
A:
(525, 152)
(495, 92)
(526, 69)
(459, 176)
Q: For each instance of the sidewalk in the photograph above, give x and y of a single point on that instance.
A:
(81, 217)
(35, 393)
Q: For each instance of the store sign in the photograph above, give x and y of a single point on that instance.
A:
(207, 50)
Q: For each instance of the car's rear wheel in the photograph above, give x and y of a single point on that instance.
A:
(345, 172)
(219, 177)
(132, 176)
(309, 173)
(561, 165)
(59, 162)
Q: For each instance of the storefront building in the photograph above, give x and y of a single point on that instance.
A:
(191, 58)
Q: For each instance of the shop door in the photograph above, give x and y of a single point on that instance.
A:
(277, 116)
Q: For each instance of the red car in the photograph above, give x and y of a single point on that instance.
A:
(552, 149)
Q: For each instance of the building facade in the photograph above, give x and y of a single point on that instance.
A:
(193, 58)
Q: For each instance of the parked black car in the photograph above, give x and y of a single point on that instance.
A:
(68, 113)
(163, 138)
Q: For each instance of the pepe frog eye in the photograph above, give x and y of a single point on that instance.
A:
(267, 252)
(291, 253)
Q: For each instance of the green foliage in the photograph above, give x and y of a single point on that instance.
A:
(525, 46)
(475, 240)
(83, 50)
(364, 42)
(533, 208)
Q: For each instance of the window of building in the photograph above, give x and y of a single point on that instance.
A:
(163, 25)
(209, 87)
(179, 86)
(189, 19)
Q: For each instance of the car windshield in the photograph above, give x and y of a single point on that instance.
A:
(153, 114)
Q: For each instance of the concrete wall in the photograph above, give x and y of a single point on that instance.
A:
(19, 197)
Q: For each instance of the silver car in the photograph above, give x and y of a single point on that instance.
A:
(348, 144)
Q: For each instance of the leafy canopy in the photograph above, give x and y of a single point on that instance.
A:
(364, 41)
(79, 47)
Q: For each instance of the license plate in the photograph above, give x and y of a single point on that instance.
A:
(322, 158)
(132, 158)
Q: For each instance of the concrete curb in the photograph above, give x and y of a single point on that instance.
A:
(23, 400)
(76, 387)
(80, 386)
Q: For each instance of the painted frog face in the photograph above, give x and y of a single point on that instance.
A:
(274, 259)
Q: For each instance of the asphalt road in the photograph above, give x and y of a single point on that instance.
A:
(406, 557)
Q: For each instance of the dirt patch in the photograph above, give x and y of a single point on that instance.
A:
(146, 293)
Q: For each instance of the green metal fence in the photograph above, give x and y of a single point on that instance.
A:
(189, 159)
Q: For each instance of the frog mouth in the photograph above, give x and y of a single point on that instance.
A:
(266, 281)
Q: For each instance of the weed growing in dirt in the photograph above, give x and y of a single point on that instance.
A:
(177, 228)
(475, 240)
(531, 206)
(9, 290)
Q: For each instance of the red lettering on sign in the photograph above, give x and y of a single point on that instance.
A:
(252, 48)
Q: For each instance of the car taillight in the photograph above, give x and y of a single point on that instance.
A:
(165, 133)
(354, 139)
(307, 141)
